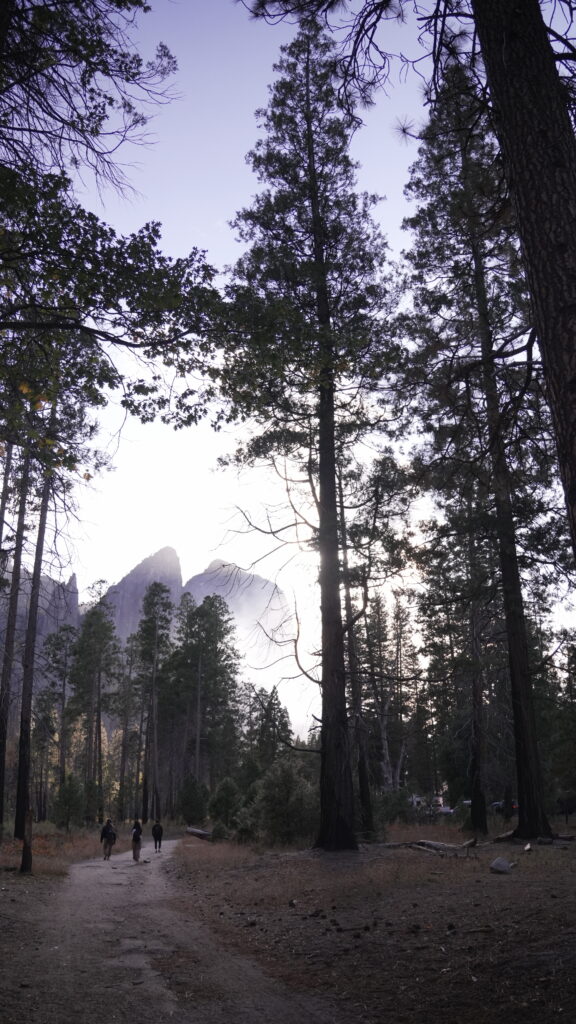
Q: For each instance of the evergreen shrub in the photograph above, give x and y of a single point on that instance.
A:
(287, 805)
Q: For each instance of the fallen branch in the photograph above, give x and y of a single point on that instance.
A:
(507, 837)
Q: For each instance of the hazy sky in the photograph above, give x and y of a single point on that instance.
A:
(164, 487)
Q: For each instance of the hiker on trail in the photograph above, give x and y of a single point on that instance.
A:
(136, 840)
(157, 833)
(107, 838)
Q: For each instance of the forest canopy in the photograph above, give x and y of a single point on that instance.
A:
(419, 413)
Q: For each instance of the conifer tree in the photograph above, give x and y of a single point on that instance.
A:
(472, 325)
(524, 54)
(57, 652)
(304, 347)
(92, 678)
(154, 644)
(199, 717)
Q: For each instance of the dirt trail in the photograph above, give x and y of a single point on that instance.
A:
(111, 943)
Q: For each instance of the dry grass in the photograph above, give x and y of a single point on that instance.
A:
(395, 934)
(400, 933)
(54, 851)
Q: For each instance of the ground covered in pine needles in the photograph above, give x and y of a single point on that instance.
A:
(219, 932)
(402, 934)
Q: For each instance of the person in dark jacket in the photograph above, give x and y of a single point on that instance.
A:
(107, 838)
(157, 833)
(136, 840)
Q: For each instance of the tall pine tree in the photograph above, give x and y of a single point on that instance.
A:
(303, 341)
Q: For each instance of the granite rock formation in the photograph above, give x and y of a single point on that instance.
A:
(257, 605)
(125, 598)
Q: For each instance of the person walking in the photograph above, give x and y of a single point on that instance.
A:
(136, 840)
(107, 838)
(157, 833)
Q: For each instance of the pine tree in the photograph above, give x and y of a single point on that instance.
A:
(470, 314)
(154, 645)
(56, 666)
(304, 343)
(92, 676)
(199, 712)
(528, 66)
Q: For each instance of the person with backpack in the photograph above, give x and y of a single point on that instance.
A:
(136, 840)
(107, 838)
(157, 833)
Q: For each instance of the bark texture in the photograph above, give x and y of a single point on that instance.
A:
(539, 149)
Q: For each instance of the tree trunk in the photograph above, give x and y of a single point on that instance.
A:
(23, 784)
(532, 821)
(539, 148)
(10, 635)
(4, 502)
(63, 748)
(476, 767)
(155, 808)
(139, 770)
(89, 769)
(146, 768)
(99, 758)
(385, 759)
(197, 762)
(121, 808)
(26, 862)
(360, 729)
(336, 830)
(399, 628)
(381, 700)
(397, 778)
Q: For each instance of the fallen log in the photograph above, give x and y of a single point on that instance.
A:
(200, 833)
(430, 846)
(446, 848)
(505, 837)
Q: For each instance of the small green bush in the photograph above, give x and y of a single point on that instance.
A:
(287, 805)
(246, 825)
(70, 804)
(219, 832)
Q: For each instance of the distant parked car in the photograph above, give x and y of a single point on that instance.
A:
(444, 810)
(498, 807)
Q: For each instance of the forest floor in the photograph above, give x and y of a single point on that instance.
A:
(215, 933)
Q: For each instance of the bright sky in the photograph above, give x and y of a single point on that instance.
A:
(165, 488)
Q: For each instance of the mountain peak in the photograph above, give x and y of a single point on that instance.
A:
(217, 563)
(125, 597)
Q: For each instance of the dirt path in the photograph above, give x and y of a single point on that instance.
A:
(111, 943)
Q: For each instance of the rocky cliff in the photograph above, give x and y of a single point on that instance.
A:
(58, 605)
(252, 600)
(257, 605)
(125, 598)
